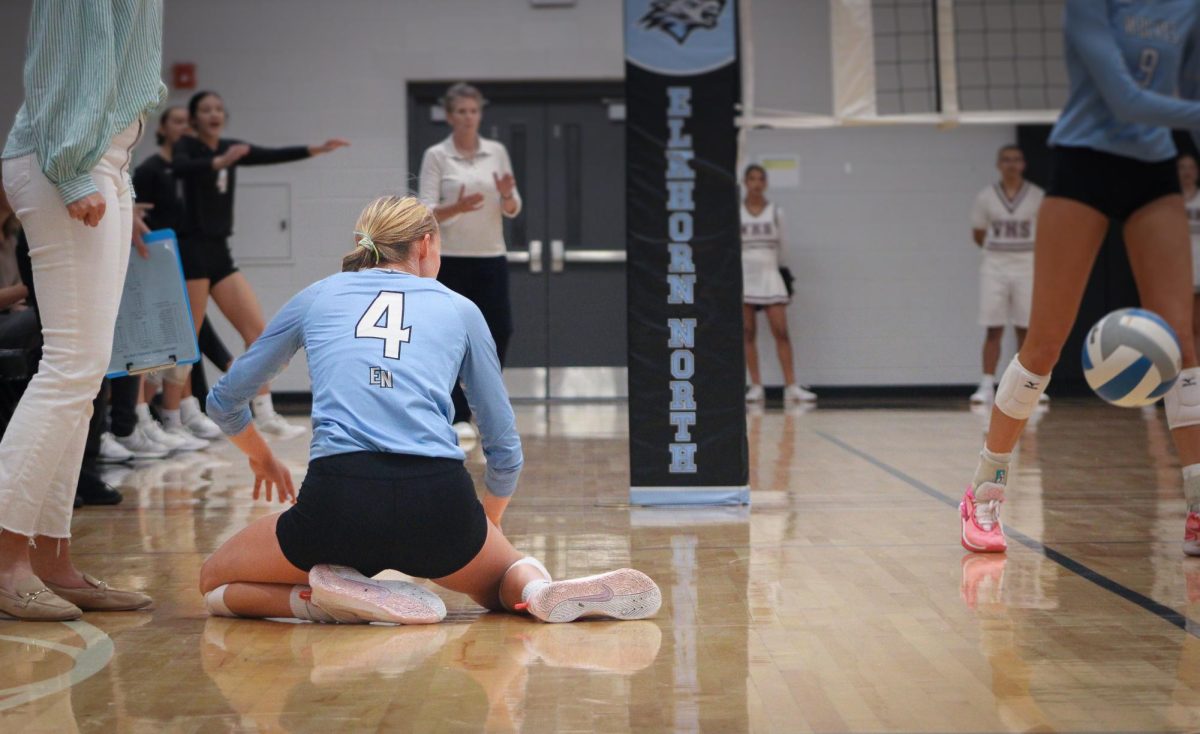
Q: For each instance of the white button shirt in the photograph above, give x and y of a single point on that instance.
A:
(444, 171)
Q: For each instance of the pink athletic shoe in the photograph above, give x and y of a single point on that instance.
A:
(1191, 534)
(980, 513)
(621, 594)
(349, 597)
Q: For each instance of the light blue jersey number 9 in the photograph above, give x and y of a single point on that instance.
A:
(1147, 64)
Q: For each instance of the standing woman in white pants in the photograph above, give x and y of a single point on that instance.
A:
(92, 74)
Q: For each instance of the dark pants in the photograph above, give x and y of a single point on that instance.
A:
(484, 280)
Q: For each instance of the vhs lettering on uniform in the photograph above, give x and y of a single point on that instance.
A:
(384, 319)
(681, 277)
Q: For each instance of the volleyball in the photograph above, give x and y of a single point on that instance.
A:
(1131, 357)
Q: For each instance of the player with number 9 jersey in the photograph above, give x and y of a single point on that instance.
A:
(1134, 70)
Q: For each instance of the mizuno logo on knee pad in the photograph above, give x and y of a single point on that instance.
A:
(1183, 410)
(1018, 392)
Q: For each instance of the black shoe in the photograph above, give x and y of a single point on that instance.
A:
(92, 490)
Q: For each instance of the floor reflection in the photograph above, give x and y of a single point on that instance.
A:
(485, 673)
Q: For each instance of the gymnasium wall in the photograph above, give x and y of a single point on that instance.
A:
(878, 225)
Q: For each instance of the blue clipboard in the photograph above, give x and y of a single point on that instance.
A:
(154, 323)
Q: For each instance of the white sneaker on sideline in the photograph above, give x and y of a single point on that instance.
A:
(755, 394)
(276, 426)
(142, 446)
(201, 426)
(466, 432)
(112, 452)
(984, 395)
(154, 431)
(795, 393)
(188, 440)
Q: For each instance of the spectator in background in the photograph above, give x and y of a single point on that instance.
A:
(1004, 224)
(468, 182)
(207, 165)
(764, 287)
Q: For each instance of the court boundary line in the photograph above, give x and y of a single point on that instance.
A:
(1158, 609)
(95, 655)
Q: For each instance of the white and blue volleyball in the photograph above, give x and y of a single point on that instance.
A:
(1131, 357)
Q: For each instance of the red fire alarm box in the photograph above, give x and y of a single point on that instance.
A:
(183, 75)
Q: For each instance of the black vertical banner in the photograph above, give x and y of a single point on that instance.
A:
(687, 415)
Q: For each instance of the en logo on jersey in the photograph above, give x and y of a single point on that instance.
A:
(381, 377)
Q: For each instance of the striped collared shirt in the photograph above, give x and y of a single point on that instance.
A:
(92, 68)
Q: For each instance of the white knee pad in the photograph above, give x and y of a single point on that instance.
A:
(177, 375)
(529, 561)
(1019, 390)
(1182, 401)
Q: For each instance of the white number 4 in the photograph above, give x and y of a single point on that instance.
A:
(388, 309)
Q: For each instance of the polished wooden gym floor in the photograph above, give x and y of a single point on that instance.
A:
(840, 601)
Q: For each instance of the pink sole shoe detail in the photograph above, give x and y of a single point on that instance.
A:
(973, 537)
(621, 594)
(1191, 535)
(350, 597)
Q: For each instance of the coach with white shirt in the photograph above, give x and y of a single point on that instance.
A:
(468, 182)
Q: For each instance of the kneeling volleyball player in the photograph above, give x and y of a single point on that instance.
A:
(386, 487)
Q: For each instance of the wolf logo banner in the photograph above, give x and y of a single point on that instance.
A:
(678, 18)
(687, 418)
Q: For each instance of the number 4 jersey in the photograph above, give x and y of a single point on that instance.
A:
(384, 350)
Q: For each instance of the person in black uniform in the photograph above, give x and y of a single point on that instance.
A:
(159, 191)
(207, 165)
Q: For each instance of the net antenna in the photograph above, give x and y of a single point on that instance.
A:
(929, 62)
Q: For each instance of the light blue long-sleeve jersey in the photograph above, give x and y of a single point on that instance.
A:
(92, 68)
(1127, 60)
(384, 350)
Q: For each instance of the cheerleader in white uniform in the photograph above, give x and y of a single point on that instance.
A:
(763, 286)
(1189, 175)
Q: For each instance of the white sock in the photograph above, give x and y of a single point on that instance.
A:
(1191, 486)
(988, 381)
(143, 413)
(533, 587)
(189, 408)
(170, 418)
(304, 608)
(214, 602)
(992, 468)
(262, 406)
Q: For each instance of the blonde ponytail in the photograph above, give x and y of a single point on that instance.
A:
(386, 231)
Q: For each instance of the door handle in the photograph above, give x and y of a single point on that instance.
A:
(595, 256)
(557, 255)
(535, 256)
